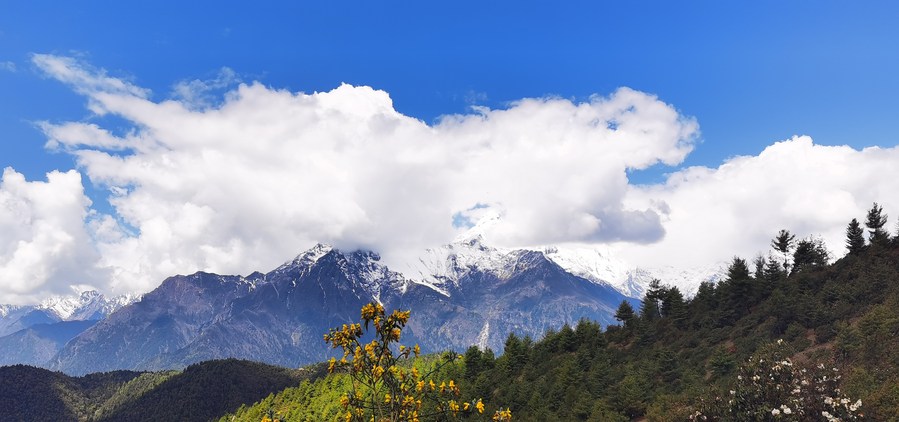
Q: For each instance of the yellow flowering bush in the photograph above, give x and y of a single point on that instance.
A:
(383, 389)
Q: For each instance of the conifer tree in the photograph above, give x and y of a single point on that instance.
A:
(759, 267)
(674, 307)
(738, 270)
(855, 240)
(650, 310)
(625, 314)
(810, 253)
(875, 221)
(783, 243)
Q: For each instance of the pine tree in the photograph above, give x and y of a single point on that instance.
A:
(738, 270)
(875, 221)
(759, 267)
(855, 237)
(625, 314)
(810, 253)
(674, 307)
(774, 271)
(650, 309)
(783, 243)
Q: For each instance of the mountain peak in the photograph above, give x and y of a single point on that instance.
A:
(309, 257)
(85, 305)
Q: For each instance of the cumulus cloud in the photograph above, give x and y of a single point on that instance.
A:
(737, 208)
(245, 183)
(44, 244)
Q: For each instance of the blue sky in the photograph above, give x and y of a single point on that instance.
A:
(751, 73)
(169, 192)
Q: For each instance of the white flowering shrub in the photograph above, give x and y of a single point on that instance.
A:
(769, 387)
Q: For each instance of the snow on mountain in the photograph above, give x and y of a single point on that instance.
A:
(471, 251)
(364, 269)
(87, 305)
(685, 279)
(600, 265)
(6, 309)
(307, 258)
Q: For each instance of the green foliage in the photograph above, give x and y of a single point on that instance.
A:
(382, 388)
(625, 314)
(201, 392)
(783, 243)
(875, 221)
(855, 237)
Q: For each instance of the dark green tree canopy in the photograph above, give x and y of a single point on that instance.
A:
(855, 237)
(625, 313)
(875, 221)
(783, 243)
(738, 269)
(652, 301)
(810, 253)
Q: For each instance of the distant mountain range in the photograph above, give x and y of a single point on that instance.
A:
(462, 294)
(34, 334)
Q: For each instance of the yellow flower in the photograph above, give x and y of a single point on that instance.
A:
(420, 386)
(480, 406)
(387, 398)
(377, 371)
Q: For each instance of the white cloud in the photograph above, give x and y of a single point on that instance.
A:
(44, 246)
(199, 93)
(737, 208)
(8, 66)
(246, 183)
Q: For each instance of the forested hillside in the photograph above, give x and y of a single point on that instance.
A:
(828, 330)
(201, 392)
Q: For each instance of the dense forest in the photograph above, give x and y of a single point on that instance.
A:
(787, 336)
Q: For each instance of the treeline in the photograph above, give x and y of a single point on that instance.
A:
(202, 391)
(665, 359)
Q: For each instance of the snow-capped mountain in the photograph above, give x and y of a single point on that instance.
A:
(279, 317)
(472, 251)
(461, 294)
(600, 265)
(87, 305)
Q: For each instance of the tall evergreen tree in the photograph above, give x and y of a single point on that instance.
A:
(875, 221)
(674, 307)
(739, 294)
(650, 310)
(810, 253)
(737, 270)
(855, 237)
(783, 243)
(774, 271)
(759, 267)
(625, 314)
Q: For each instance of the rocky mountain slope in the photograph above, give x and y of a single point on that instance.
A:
(279, 317)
